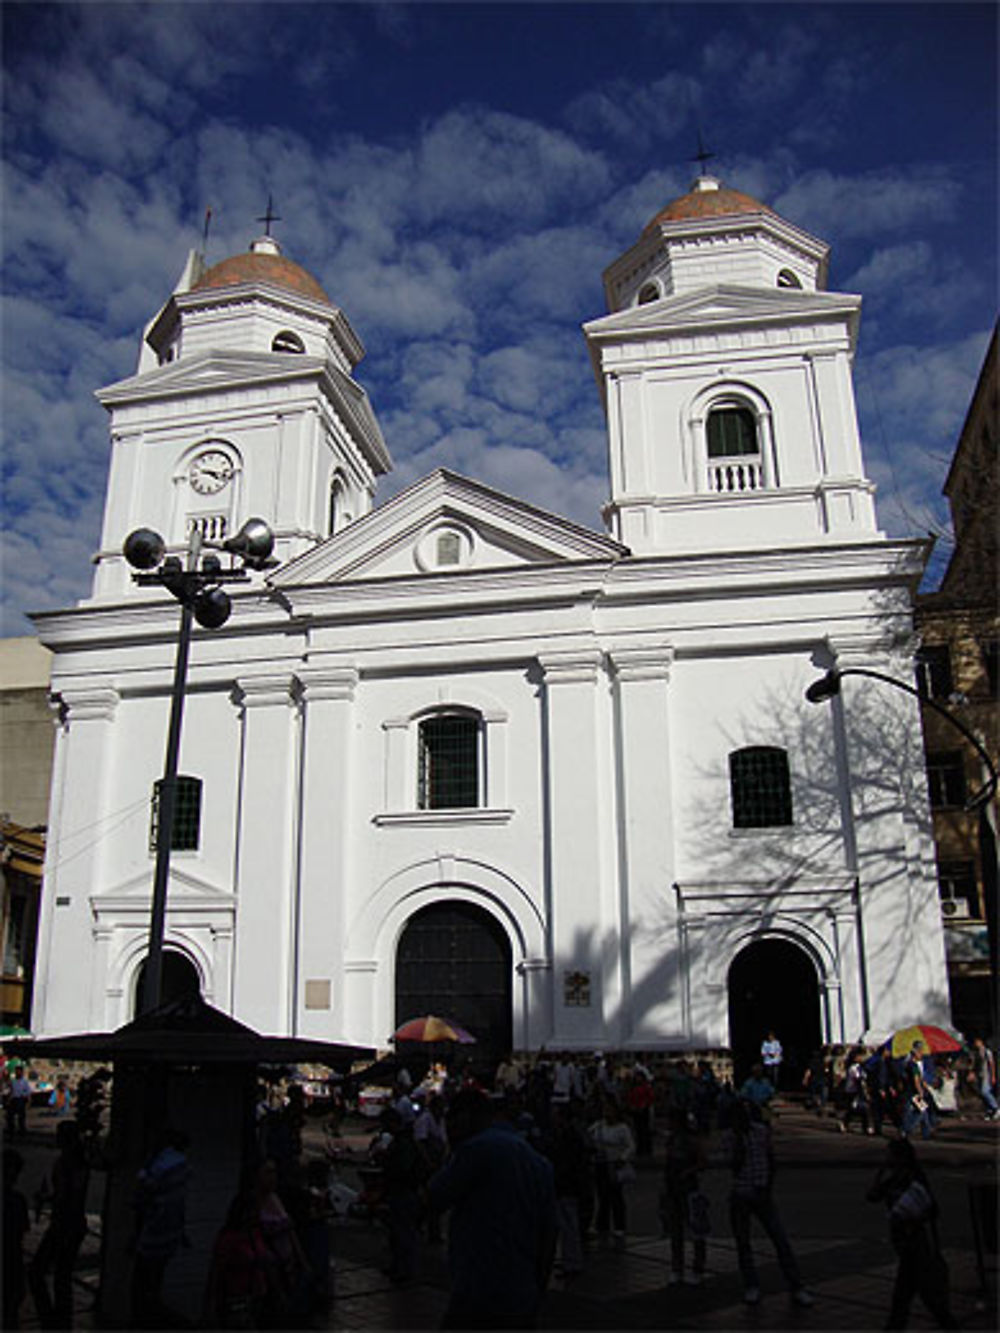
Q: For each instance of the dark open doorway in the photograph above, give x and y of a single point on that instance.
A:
(454, 960)
(178, 978)
(773, 985)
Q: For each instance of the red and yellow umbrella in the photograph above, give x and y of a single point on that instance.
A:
(432, 1028)
(934, 1040)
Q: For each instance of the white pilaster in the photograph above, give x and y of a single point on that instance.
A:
(884, 794)
(581, 930)
(327, 762)
(650, 951)
(265, 957)
(68, 997)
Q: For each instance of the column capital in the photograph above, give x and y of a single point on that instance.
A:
(571, 666)
(648, 662)
(870, 650)
(265, 691)
(534, 965)
(87, 702)
(327, 682)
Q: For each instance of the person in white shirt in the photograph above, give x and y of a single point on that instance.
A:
(614, 1149)
(18, 1101)
(772, 1055)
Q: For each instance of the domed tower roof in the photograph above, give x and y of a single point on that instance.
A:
(711, 235)
(707, 198)
(263, 262)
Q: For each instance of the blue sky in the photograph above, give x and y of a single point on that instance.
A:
(458, 176)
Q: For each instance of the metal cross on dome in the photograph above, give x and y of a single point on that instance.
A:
(703, 155)
(269, 217)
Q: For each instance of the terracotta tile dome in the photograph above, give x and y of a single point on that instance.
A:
(259, 267)
(707, 199)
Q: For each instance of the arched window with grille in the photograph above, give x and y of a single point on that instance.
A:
(760, 787)
(449, 750)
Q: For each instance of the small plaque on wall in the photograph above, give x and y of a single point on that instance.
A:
(576, 989)
(318, 994)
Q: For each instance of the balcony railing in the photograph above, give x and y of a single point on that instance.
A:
(212, 527)
(728, 476)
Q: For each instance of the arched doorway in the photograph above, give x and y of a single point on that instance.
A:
(178, 977)
(454, 959)
(773, 985)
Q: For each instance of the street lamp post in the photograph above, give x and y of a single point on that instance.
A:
(829, 685)
(197, 586)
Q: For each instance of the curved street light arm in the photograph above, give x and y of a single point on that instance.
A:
(829, 685)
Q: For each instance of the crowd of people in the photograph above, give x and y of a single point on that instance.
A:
(908, 1093)
(522, 1172)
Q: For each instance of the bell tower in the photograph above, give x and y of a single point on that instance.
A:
(725, 370)
(243, 404)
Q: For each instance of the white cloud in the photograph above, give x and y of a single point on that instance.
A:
(873, 204)
(912, 401)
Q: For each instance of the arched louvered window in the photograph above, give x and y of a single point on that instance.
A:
(760, 787)
(286, 341)
(732, 432)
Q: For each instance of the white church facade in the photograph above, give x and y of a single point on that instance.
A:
(458, 753)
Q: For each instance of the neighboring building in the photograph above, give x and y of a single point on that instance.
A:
(458, 754)
(958, 667)
(27, 739)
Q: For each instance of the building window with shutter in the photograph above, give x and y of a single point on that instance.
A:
(946, 779)
(933, 669)
(760, 787)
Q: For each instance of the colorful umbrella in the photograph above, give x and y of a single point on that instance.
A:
(431, 1028)
(934, 1040)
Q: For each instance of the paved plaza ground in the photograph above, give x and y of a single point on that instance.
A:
(840, 1239)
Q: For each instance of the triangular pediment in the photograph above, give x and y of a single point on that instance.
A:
(186, 890)
(720, 305)
(212, 370)
(446, 524)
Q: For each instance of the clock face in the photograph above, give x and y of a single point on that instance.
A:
(210, 472)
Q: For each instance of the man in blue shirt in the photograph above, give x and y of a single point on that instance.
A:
(503, 1223)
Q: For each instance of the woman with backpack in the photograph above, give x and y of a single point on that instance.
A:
(913, 1213)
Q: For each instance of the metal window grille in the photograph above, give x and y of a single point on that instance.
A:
(933, 668)
(449, 762)
(186, 832)
(732, 432)
(946, 779)
(760, 785)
